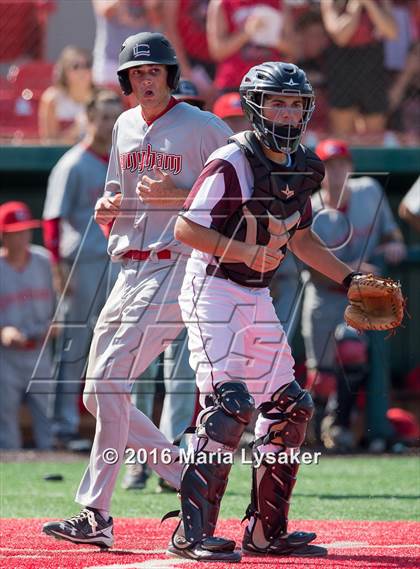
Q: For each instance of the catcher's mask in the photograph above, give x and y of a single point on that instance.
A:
(147, 48)
(270, 79)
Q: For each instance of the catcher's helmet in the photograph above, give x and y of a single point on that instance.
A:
(144, 49)
(273, 78)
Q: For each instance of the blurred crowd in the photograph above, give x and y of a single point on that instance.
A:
(362, 57)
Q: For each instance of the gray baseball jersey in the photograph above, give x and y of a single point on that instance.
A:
(353, 236)
(27, 303)
(136, 149)
(412, 198)
(74, 186)
(27, 296)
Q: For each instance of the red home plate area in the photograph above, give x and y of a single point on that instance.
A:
(140, 544)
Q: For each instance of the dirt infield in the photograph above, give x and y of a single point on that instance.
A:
(140, 543)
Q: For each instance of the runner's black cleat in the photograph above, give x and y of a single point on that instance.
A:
(88, 527)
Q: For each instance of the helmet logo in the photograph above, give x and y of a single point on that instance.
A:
(290, 82)
(141, 49)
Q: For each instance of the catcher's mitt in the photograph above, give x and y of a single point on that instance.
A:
(375, 303)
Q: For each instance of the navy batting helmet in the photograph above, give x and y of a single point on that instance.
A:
(274, 78)
(147, 48)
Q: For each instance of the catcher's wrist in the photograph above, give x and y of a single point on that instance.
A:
(347, 280)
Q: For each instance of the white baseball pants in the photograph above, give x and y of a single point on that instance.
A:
(140, 318)
(234, 334)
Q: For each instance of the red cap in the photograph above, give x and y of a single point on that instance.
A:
(16, 216)
(404, 422)
(228, 105)
(333, 148)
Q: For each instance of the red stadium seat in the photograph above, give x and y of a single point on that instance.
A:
(19, 117)
(34, 75)
(19, 99)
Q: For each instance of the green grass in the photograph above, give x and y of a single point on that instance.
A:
(370, 488)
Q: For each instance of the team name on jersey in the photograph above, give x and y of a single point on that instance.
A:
(22, 296)
(141, 160)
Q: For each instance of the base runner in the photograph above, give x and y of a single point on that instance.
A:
(158, 151)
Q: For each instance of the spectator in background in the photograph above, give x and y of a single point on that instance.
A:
(404, 97)
(355, 65)
(115, 20)
(82, 271)
(228, 107)
(353, 218)
(184, 22)
(244, 33)
(409, 209)
(396, 49)
(188, 93)
(313, 41)
(62, 106)
(22, 29)
(26, 309)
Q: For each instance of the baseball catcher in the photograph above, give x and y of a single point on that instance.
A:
(250, 205)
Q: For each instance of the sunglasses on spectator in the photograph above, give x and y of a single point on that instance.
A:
(80, 65)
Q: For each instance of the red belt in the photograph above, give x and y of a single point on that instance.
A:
(144, 255)
(28, 345)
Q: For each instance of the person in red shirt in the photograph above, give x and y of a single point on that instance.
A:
(245, 33)
(23, 24)
(184, 22)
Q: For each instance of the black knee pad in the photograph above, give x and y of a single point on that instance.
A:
(224, 420)
(292, 408)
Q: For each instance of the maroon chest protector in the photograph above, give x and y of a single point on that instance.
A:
(275, 209)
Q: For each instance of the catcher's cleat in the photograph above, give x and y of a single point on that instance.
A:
(294, 544)
(208, 549)
(88, 527)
